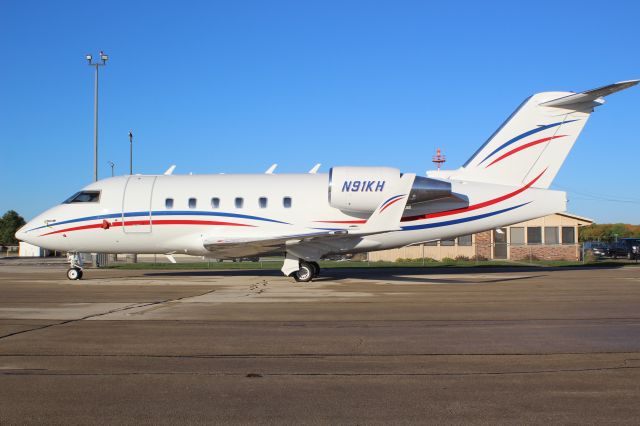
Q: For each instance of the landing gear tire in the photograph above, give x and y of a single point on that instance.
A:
(305, 273)
(74, 273)
(316, 269)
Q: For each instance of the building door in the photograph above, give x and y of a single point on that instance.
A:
(500, 243)
(136, 204)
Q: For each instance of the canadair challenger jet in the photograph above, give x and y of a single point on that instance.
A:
(349, 210)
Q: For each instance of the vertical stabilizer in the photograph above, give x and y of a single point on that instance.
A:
(536, 138)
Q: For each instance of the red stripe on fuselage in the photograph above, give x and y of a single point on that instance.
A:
(346, 222)
(525, 146)
(474, 206)
(149, 222)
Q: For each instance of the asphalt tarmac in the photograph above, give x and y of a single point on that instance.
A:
(358, 346)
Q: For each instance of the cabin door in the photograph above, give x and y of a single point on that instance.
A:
(136, 204)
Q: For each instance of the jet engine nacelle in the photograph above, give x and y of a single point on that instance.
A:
(363, 189)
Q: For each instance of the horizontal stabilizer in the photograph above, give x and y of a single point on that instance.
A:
(590, 95)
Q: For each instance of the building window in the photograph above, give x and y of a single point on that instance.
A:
(193, 203)
(551, 235)
(464, 240)
(568, 235)
(215, 203)
(168, 203)
(450, 242)
(431, 243)
(262, 202)
(534, 235)
(239, 202)
(286, 202)
(517, 235)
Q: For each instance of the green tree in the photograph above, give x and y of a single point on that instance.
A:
(9, 224)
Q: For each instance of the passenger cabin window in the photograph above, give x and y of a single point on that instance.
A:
(239, 202)
(84, 197)
(286, 202)
(262, 202)
(193, 203)
(215, 203)
(168, 203)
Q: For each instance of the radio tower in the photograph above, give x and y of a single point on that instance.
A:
(438, 159)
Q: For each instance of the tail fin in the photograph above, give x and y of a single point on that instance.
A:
(537, 137)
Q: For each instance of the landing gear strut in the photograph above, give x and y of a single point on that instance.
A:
(75, 263)
(307, 271)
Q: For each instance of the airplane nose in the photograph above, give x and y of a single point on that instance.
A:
(21, 234)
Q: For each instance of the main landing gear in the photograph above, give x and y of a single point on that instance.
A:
(307, 271)
(75, 270)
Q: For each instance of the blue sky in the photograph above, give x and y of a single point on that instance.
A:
(235, 86)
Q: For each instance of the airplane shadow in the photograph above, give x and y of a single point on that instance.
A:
(418, 274)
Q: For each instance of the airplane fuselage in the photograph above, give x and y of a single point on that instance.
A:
(175, 214)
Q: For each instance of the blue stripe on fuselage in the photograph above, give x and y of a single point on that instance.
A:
(461, 220)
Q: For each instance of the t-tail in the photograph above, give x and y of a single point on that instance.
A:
(536, 138)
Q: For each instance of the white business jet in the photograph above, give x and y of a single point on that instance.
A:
(349, 210)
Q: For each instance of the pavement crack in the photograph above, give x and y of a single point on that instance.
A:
(111, 311)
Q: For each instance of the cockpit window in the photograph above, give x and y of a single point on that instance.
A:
(84, 197)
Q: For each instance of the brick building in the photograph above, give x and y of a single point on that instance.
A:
(553, 237)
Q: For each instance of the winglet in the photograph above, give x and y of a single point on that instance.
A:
(314, 169)
(271, 169)
(593, 95)
(170, 170)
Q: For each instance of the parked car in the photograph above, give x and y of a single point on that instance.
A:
(597, 248)
(625, 247)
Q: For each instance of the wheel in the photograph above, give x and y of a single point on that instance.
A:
(316, 269)
(305, 273)
(74, 273)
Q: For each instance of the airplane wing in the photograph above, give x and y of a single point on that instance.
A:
(386, 218)
(239, 246)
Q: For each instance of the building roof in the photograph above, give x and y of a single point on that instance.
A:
(575, 216)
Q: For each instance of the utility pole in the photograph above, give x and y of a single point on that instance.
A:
(130, 152)
(89, 59)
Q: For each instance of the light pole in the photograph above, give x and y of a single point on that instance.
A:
(130, 152)
(89, 59)
(111, 164)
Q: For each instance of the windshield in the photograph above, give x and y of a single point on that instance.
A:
(84, 197)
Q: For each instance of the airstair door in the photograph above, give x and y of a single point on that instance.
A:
(136, 204)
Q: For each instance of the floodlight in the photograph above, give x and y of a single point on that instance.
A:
(89, 57)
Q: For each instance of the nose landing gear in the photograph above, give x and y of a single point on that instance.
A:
(74, 273)
(75, 263)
